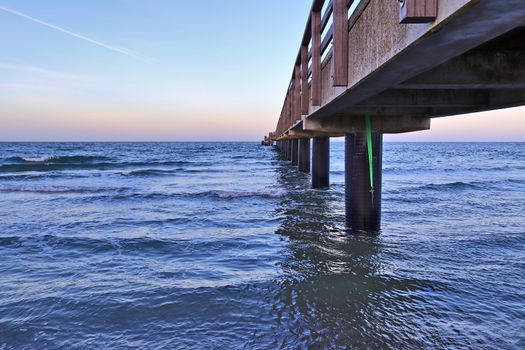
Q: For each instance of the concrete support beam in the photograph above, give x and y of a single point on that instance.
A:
(410, 98)
(496, 65)
(295, 151)
(321, 162)
(363, 206)
(304, 155)
(424, 47)
(355, 123)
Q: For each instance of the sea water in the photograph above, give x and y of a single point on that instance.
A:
(225, 245)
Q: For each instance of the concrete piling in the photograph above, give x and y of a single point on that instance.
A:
(363, 206)
(295, 152)
(304, 155)
(321, 162)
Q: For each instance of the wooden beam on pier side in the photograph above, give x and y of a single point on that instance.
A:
(340, 43)
(418, 11)
(316, 58)
(297, 94)
(305, 96)
(288, 110)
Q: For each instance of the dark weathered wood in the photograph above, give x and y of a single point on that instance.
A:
(305, 96)
(316, 58)
(317, 5)
(288, 110)
(297, 94)
(340, 43)
(418, 11)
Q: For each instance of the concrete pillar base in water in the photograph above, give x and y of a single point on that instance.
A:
(363, 207)
(321, 162)
(304, 155)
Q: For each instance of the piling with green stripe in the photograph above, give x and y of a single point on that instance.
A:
(363, 163)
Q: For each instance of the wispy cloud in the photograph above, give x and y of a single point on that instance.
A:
(39, 71)
(68, 32)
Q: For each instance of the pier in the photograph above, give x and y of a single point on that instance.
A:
(371, 67)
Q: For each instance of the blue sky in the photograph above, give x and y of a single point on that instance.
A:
(156, 70)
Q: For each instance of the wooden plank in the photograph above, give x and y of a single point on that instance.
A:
(418, 11)
(340, 43)
(297, 94)
(290, 107)
(305, 96)
(316, 58)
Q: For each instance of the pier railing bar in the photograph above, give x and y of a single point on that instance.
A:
(340, 34)
(297, 94)
(305, 98)
(316, 57)
(314, 54)
(327, 15)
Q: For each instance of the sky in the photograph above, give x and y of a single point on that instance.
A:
(167, 70)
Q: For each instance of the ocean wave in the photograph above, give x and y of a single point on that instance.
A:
(50, 189)
(415, 170)
(153, 172)
(212, 195)
(167, 172)
(56, 159)
(40, 176)
(220, 194)
(458, 185)
(77, 163)
(139, 245)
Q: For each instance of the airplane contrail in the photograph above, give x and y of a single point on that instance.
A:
(76, 35)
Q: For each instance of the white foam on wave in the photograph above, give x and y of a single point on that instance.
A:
(37, 159)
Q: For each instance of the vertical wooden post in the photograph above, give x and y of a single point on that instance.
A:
(297, 94)
(290, 111)
(316, 58)
(340, 43)
(289, 114)
(305, 96)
